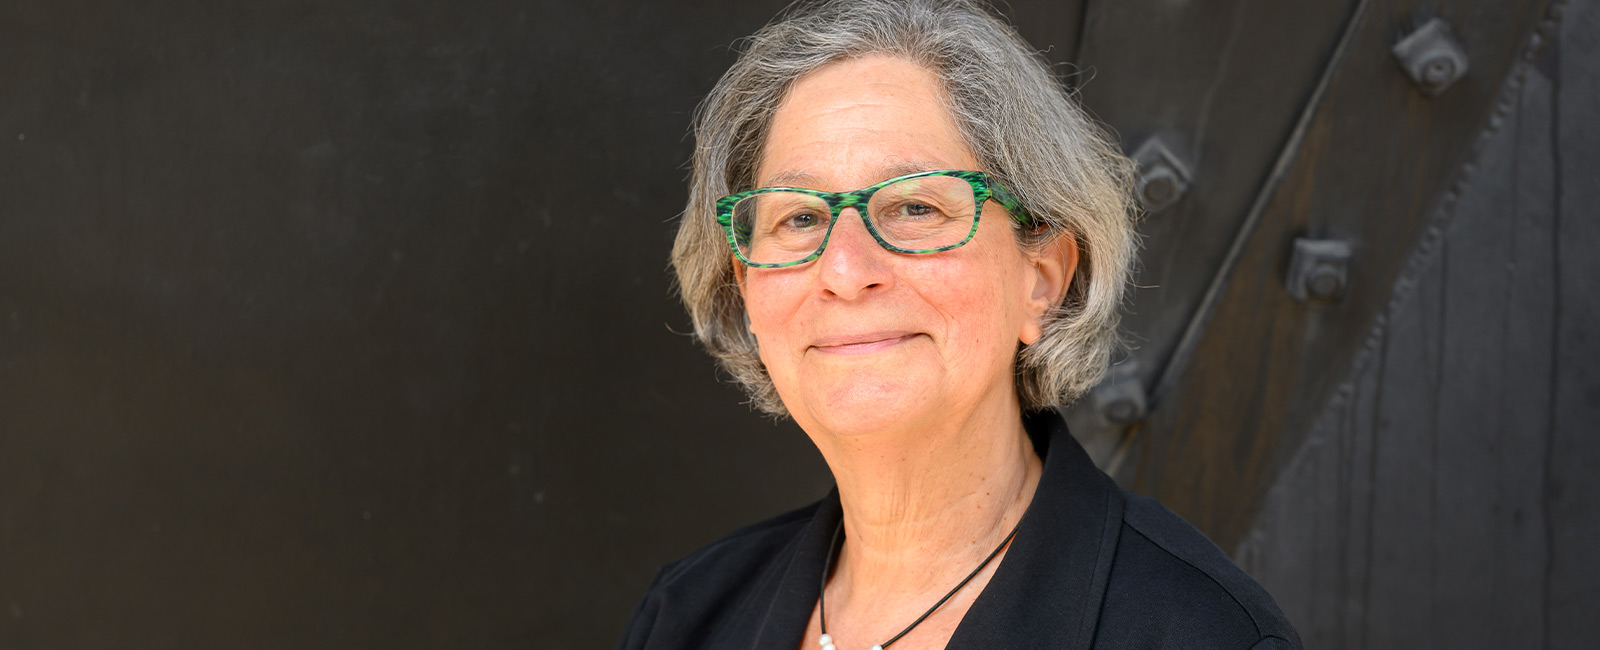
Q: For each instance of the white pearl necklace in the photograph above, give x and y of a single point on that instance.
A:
(827, 643)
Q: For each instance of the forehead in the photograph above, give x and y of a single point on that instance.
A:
(852, 123)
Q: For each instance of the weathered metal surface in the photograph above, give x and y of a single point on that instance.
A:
(1376, 154)
(1447, 496)
(1221, 84)
(1211, 91)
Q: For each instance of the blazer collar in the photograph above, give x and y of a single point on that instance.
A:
(1050, 583)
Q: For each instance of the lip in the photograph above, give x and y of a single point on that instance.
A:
(862, 343)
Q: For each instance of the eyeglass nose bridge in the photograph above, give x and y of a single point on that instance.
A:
(859, 200)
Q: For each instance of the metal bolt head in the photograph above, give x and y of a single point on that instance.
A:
(1122, 411)
(1163, 180)
(1438, 71)
(1431, 57)
(1318, 269)
(1325, 282)
(1160, 187)
(1119, 399)
(1102, 416)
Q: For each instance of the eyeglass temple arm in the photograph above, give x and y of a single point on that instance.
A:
(1011, 203)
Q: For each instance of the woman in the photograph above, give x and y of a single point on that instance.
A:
(903, 235)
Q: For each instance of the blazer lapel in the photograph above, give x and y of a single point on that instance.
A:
(1052, 580)
(784, 623)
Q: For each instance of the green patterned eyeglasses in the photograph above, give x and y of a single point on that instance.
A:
(925, 212)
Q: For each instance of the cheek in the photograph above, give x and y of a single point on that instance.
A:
(980, 301)
(771, 301)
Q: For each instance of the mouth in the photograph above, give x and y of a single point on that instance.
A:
(862, 344)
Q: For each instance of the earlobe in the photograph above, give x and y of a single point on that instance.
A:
(1031, 331)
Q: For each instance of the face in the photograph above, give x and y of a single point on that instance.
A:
(863, 339)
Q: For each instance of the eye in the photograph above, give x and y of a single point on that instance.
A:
(913, 211)
(800, 221)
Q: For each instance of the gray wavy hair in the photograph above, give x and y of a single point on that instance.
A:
(1016, 117)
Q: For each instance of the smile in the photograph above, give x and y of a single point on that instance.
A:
(865, 344)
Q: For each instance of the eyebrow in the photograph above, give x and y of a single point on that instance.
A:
(791, 178)
(805, 179)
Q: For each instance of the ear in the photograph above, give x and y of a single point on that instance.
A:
(1052, 267)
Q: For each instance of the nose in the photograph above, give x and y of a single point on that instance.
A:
(853, 263)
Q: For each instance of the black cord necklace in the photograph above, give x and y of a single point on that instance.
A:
(827, 567)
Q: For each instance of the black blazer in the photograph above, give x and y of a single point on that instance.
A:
(1091, 567)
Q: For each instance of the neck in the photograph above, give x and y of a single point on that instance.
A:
(925, 504)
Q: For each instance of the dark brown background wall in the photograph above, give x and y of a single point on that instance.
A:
(347, 325)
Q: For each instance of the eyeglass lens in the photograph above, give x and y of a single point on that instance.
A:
(917, 214)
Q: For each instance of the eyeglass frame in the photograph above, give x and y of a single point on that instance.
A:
(983, 189)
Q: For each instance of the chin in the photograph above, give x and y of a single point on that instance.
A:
(865, 405)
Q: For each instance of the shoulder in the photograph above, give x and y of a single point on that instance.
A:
(1170, 586)
(712, 589)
